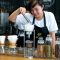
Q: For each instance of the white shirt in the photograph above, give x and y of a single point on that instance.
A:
(50, 21)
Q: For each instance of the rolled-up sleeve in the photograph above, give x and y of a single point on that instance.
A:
(53, 24)
(17, 21)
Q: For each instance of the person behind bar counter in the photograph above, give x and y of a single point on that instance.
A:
(44, 21)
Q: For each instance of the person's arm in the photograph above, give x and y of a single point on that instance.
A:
(13, 16)
(53, 41)
(53, 27)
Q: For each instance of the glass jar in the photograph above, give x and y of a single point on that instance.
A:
(28, 51)
(40, 47)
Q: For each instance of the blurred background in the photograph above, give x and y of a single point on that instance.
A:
(8, 6)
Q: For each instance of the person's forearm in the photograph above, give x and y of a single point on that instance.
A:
(53, 41)
(13, 16)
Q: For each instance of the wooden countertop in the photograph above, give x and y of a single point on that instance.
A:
(6, 57)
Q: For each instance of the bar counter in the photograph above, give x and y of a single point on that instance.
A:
(7, 57)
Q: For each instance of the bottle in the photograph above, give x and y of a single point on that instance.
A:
(48, 48)
(40, 47)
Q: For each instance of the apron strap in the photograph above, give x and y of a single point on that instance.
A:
(33, 20)
(44, 19)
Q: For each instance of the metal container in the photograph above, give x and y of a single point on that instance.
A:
(29, 43)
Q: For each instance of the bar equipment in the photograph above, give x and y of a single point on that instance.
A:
(12, 44)
(2, 44)
(29, 40)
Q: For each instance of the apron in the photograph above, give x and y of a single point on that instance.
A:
(40, 31)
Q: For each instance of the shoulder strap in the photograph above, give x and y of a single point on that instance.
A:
(33, 20)
(44, 20)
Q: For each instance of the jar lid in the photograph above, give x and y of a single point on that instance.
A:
(29, 41)
(49, 38)
(40, 41)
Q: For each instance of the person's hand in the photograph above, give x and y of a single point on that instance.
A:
(22, 10)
